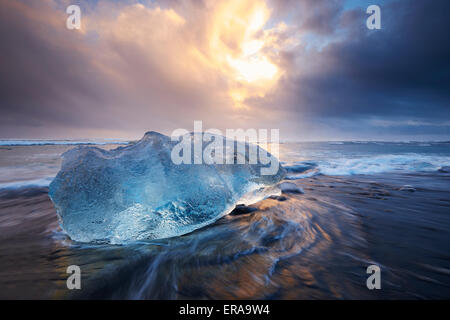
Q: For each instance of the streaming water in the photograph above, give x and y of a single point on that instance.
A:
(355, 212)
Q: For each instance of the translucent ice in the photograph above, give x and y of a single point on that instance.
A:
(136, 192)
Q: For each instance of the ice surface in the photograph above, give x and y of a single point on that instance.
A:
(136, 192)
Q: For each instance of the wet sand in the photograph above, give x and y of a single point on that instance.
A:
(310, 246)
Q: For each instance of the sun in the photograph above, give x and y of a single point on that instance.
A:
(253, 69)
(239, 45)
(252, 65)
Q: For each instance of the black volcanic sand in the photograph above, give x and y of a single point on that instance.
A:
(308, 246)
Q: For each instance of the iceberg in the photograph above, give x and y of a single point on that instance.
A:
(136, 192)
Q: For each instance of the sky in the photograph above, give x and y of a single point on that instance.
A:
(310, 68)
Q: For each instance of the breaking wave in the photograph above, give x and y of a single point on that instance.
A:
(367, 165)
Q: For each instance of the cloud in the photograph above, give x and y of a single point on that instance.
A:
(133, 67)
(310, 68)
(399, 73)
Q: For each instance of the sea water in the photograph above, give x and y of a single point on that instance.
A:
(364, 203)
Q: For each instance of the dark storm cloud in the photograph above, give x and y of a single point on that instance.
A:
(318, 16)
(59, 83)
(401, 72)
(135, 68)
(45, 74)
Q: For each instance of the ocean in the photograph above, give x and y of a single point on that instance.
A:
(364, 203)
